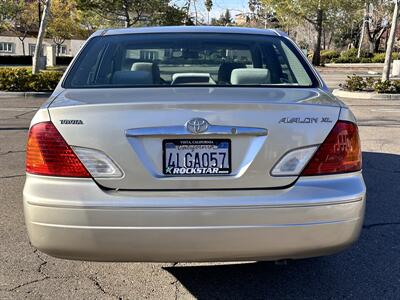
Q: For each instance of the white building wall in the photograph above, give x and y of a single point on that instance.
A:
(72, 46)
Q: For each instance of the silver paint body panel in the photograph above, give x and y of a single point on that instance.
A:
(75, 219)
(110, 115)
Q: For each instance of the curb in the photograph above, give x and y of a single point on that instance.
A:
(354, 65)
(365, 95)
(25, 94)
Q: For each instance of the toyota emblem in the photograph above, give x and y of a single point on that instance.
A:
(197, 125)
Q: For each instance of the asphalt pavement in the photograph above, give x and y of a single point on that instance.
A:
(368, 270)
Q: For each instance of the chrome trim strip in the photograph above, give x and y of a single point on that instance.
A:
(181, 130)
(194, 208)
(195, 227)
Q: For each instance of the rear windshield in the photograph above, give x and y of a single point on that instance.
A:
(181, 59)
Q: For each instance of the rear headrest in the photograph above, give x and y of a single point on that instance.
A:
(250, 76)
(132, 77)
(225, 70)
(148, 67)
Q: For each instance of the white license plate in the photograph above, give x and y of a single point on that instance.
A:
(194, 157)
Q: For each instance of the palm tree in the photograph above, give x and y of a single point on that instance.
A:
(208, 4)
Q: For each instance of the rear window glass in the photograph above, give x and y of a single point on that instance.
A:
(181, 59)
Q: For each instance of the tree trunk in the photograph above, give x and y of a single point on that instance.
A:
(371, 46)
(377, 44)
(39, 42)
(362, 30)
(389, 48)
(23, 47)
(195, 12)
(317, 49)
(126, 12)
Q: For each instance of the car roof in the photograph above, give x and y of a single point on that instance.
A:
(189, 29)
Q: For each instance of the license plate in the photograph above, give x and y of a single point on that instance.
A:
(193, 157)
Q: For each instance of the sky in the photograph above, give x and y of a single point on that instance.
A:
(219, 6)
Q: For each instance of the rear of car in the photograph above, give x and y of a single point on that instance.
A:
(192, 144)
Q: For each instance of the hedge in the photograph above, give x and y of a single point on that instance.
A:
(63, 60)
(15, 60)
(26, 60)
(22, 80)
(350, 56)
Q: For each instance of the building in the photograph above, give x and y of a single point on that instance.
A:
(10, 44)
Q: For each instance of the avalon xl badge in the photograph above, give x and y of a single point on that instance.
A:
(197, 125)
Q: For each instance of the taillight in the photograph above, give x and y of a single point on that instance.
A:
(339, 153)
(47, 153)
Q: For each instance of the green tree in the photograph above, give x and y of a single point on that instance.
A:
(169, 16)
(7, 12)
(17, 17)
(261, 15)
(226, 18)
(90, 22)
(315, 12)
(130, 12)
(63, 23)
(377, 22)
(208, 4)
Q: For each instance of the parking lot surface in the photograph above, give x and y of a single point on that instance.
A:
(368, 270)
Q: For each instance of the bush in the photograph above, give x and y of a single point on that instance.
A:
(387, 87)
(365, 60)
(380, 57)
(355, 83)
(347, 60)
(350, 53)
(350, 56)
(328, 55)
(22, 80)
(370, 82)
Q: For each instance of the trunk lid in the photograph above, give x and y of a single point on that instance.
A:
(292, 118)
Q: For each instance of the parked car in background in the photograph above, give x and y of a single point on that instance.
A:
(192, 144)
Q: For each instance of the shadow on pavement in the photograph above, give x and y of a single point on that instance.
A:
(368, 270)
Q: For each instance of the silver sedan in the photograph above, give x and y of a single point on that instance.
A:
(192, 144)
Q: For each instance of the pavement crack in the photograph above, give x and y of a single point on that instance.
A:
(12, 176)
(40, 270)
(369, 226)
(42, 264)
(12, 152)
(28, 283)
(25, 113)
(96, 282)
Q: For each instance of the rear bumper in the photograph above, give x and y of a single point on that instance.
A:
(75, 219)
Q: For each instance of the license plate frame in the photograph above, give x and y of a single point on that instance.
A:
(224, 171)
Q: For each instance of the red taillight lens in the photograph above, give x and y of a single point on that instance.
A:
(47, 153)
(339, 153)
